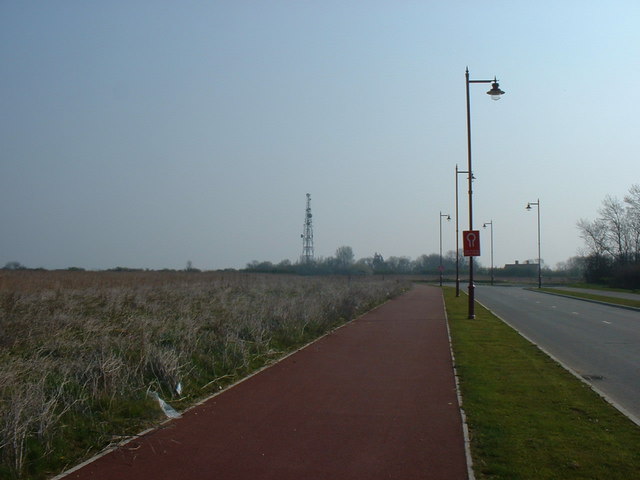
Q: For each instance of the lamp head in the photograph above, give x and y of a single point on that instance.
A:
(495, 91)
(528, 206)
(448, 217)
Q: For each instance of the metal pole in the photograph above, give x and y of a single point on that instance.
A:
(485, 226)
(537, 204)
(457, 245)
(440, 267)
(471, 286)
(495, 93)
(491, 251)
(539, 257)
(458, 172)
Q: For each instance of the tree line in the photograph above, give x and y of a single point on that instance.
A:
(344, 262)
(612, 242)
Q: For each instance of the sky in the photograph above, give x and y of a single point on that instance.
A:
(147, 134)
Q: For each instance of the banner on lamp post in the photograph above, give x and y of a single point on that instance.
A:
(471, 243)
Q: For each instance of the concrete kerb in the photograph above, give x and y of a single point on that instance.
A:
(590, 300)
(602, 394)
(463, 416)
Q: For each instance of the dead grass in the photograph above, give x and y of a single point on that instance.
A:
(80, 350)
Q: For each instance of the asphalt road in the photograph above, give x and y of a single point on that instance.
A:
(598, 342)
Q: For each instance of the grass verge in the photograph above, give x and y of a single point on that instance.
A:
(600, 298)
(528, 417)
(595, 286)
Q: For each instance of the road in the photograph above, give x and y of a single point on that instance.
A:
(598, 342)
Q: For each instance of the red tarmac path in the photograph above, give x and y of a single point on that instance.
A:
(375, 399)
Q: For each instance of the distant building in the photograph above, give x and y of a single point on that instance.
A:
(527, 269)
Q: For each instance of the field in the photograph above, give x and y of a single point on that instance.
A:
(81, 353)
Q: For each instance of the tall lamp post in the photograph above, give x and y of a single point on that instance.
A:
(529, 205)
(441, 268)
(495, 93)
(458, 172)
(485, 226)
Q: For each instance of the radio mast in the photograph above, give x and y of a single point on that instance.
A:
(307, 235)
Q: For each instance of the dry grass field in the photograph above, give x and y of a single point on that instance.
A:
(81, 351)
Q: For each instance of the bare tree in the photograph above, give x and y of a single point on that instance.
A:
(614, 216)
(344, 257)
(633, 213)
(595, 236)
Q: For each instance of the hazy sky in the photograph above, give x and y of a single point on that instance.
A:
(149, 133)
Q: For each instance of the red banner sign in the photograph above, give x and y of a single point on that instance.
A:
(471, 243)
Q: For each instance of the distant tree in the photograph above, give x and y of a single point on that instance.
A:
(378, 264)
(633, 211)
(256, 266)
(190, 268)
(362, 267)
(399, 264)
(614, 216)
(598, 269)
(595, 236)
(344, 257)
(573, 266)
(426, 264)
(14, 266)
(613, 239)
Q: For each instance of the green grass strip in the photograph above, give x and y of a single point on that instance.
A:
(595, 286)
(528, 417)
(600, 298)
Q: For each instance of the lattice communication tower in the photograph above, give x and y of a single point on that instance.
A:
(307, 234)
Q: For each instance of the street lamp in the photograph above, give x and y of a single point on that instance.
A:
(495, 93)
(441, 268)
(485, 226)
(458, 235)
(529, 205)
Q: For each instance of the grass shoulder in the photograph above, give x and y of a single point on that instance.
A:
(590, 296)
(528, 417)
(594, 286)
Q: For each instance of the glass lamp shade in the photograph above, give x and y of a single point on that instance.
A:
(495, 91)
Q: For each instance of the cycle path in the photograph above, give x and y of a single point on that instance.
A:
(375, 399)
